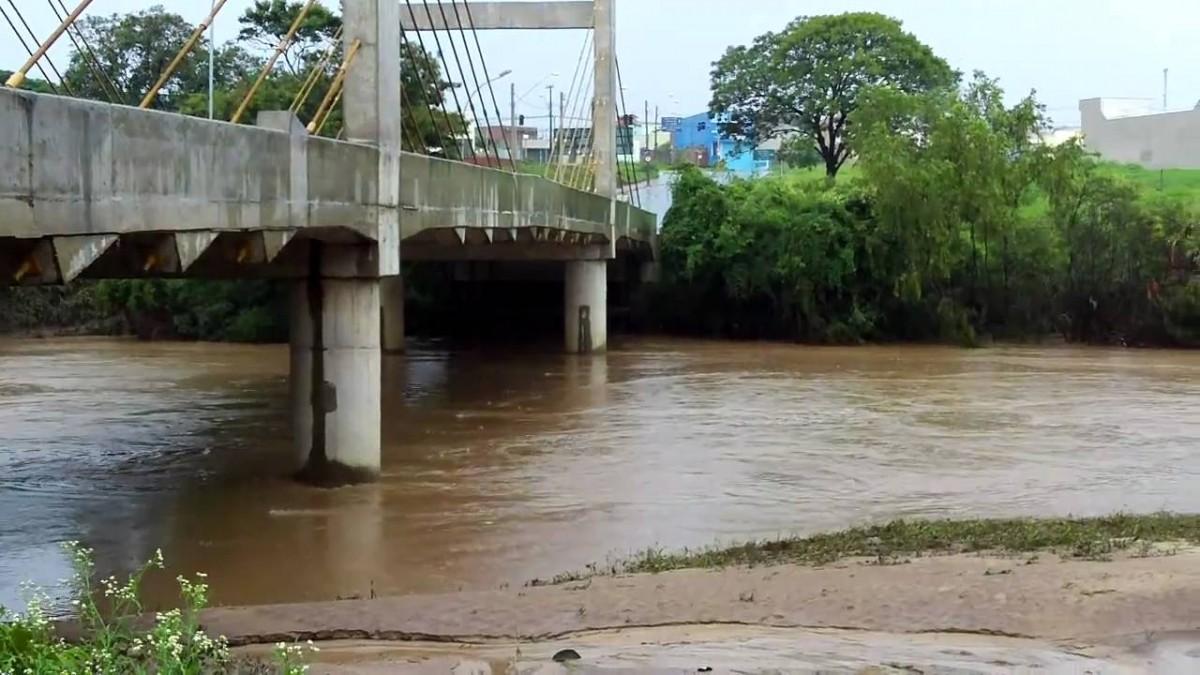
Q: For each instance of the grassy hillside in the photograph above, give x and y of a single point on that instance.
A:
(1173, 182)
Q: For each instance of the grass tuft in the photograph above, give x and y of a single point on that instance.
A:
(1081, 538)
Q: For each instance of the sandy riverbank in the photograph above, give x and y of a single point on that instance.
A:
(978, 613)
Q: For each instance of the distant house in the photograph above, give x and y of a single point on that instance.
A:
(501, 135)
(698, 140)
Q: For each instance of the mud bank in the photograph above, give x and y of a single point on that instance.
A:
(1131, 614)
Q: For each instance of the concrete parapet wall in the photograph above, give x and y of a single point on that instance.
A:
(78, 167)
(1160, 141)
(437, 193)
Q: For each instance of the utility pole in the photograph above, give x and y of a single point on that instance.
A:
(550, 105)
(514, 136)
(564, 124)
(646, 124)
(1165, 72)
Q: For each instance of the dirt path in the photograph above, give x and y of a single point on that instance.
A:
(1132, 614)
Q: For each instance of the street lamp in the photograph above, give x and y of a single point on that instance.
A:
(503, 74)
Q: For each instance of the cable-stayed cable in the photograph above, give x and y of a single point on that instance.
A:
(572, 94)
(428, 66)
(461, 74)
(442, 57)
(86, 53)
(314, 74)
(637, 191)
(21, 39)
(581, 151)
(33, 36)
(474, 77)
(488, 81)
(426, 87)
(405, 105)
(578, 103)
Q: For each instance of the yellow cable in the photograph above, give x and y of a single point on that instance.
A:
(18, 77)
(262, 75)
(334, 88)
(314, 74)
(148, 99)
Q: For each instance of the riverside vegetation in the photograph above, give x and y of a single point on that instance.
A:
(114, 636)
(943, 214)
(955, 223)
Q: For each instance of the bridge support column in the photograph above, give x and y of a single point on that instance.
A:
(391, 313)
(335, 369)
(586, 296)
(372, 112)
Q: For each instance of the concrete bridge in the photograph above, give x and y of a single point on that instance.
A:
(91, 190)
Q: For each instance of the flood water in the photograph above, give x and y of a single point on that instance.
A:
(500, 467)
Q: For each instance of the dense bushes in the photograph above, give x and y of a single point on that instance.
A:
(736, 263)
(238, 311)
(956, 224)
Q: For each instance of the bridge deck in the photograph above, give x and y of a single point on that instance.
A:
(80, 180)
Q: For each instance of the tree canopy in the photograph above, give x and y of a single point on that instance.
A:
(266, 23)
(809, 78)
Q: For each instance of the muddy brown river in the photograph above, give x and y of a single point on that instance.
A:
(500, 467)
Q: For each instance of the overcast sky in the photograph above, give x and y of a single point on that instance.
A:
(1066, 49)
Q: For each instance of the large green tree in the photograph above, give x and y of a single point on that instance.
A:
(267, 22)
(809, 77)
(132, 50)
(951, 172)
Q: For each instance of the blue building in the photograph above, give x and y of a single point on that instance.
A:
(699, 139)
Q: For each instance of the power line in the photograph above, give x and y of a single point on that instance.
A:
(461, 74)
(486, 76)
(90, 58)
(36, 42)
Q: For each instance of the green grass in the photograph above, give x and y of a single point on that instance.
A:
(1172, 182)
(1180, 183)
(1084, 538)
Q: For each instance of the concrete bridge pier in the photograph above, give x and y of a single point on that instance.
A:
(335, 366)
(586, 315)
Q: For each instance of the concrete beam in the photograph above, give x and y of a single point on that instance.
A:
(504, 16)
(510, 251)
